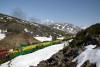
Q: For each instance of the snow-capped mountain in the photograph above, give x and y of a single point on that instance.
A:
(83, 27)
(67, 27)
(47, 22)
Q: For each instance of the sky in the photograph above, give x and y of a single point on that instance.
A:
(77, 12)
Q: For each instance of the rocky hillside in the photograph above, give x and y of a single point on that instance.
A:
(12, 24)
(64, 57)
(67, 27)
(18, 31)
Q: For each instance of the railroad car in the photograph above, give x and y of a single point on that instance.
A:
(3, 55)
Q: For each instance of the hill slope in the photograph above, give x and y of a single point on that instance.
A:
(18, 31)
(12, 24)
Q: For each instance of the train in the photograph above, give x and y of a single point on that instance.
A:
(25, 49)
(3, 55)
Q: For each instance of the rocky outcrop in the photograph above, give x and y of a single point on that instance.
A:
(92, 40)
(63, 58)
(87, 64)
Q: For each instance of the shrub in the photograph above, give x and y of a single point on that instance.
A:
(81, 36)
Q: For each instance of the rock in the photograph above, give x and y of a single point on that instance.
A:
(72, 64)
(87, 64)
(92, 40)
(62, 58)
(32, 66)
(43, 64)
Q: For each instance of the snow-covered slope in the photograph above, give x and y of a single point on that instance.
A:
(89, 54)
(34, 58)
(69, 28)
(47, 22)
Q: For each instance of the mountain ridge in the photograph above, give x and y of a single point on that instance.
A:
(67, 27)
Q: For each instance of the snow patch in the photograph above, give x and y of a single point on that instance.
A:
(26, 30)
(43, 38)
(36, 25)
(2, 35)
(63, 27)
(61, 38)
(31, 32)
(89, 54)
(90, 46)
(70, 40)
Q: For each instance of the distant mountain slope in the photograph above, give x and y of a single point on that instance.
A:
(19, 25)
(67, 27)
(14, 27)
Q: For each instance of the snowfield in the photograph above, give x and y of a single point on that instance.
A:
(89, 54)
(34, 58)
(47, 38)
(61, 38)
(43, 38)
(2, 36)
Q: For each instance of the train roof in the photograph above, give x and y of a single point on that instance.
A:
(3, 52)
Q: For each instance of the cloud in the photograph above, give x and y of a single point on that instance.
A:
(17, 12)
(33, 19)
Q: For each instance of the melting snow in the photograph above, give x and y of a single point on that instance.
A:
(2, 35)
(61, 38)
(43, 38)
(26, 30)
(89, 54)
